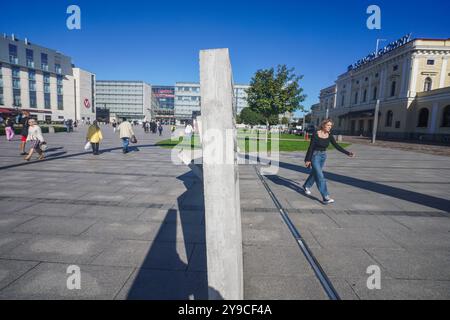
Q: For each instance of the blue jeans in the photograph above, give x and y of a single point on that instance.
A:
(125, 143)
(316, 175)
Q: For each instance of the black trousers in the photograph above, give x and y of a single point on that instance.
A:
(95, 147)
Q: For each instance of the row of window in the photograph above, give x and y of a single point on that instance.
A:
(13, 58)
(187, 89)
(424, 113)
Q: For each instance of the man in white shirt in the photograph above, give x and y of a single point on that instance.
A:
(125, 132)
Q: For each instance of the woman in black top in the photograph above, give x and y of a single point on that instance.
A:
(316, 156)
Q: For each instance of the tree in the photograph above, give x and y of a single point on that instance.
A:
(250, 117)
(272, 93)
(284, 121)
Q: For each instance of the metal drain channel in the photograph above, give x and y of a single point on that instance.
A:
(320, 274)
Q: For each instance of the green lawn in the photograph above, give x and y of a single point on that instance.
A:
(244, 144)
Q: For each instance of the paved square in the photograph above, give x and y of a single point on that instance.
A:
(134, 224)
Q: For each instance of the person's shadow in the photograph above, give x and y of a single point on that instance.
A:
(164, 275)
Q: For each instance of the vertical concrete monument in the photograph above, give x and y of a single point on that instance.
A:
(220, 176)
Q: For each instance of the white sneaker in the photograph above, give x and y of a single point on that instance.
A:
(328, 201)
(306, 190)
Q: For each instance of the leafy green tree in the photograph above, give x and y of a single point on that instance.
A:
(284, 121)
(250, 117)
(275, 92)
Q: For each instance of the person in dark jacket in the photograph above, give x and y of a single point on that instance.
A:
(24, 132)
(316, 156)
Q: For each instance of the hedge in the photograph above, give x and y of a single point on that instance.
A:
(17, 130)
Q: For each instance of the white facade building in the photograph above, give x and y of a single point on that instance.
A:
(187, 100)
(41, 81)
(240, 96)
(130, 99)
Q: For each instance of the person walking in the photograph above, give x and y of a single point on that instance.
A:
(94, 136)
(316, 156)
(24, 131)
(9, 128)
(125, 133)
(35, 136)
(114, 125)
(160, 129)
(188, 131)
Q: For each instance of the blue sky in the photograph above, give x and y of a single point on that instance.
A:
(158, 41)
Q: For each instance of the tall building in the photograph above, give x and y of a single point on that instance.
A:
(164, 109)
(187, 100)
(130, 99)
(39, 80)
(410, 78)
(240, 96)
(84, 95)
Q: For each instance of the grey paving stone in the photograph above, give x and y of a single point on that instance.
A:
(275, 261)
(55, 226)
(189, 233)
(353, 237)
(11, 270)
(393, 289)
(165, 285)
(9, 241)
(53, 209)
(56, 249)
(260, 287)
(414, 264)
(346, 263)
(49, 281)
(110, 213)
(146, 254)
(123, 230)
(425, 224)
(424, 240)
(10, 221)
(7, 207)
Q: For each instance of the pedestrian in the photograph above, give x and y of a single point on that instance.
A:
(114, 125)
(188, 131)
(94, 136)
(9, 128)
(160, 129)
(125, 133)
(316, 156)
(24, 131)
(36, 138)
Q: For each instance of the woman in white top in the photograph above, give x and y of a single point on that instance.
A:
(35, 136)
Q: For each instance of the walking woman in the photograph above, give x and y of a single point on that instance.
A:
(24, 131)
(316, 156)
(36, 138)
(9, 129)
(94, 136)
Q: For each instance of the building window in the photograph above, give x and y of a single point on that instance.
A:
(393, 84)
(395, 68)
(16, 98)
(340, 121)
(356, 97)
(30, 58)
(376, 75)
(423, 118)
(47, 100)
(1, 97)
(427, 84)
(365, 95)
(47, 78)
(44, 62)
(430, 62)
(397, 124)
(342, 100)
(16, 78)
(60, 102)
(13, 54)
(33, 103)
(58, 69)
(375, 93)
(389, 118)
(446, 117)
